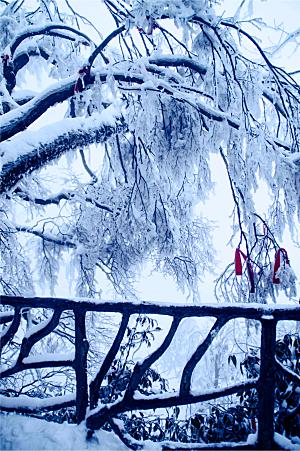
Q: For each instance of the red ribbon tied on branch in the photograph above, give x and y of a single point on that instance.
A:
(279, 252)
(239, 267)
(85, 70)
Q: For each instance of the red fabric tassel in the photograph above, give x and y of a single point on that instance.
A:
(277, 263)
(238, 261)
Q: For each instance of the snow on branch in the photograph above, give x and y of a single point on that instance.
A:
(26, 404)
(35, 362)
(185, 384)
(97, 417)
(23, 57)
(48, 144)
(46, 237)
(191, 63)
(6, 316)
(10, 330)
(18, 120)
(55, 200)
(96, 382)
(291, 375)
(140, 368)
(46, 30)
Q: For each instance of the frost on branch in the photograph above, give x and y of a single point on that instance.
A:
(185, 83)
(15, 278)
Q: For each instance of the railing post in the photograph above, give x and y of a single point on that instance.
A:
(266, 384)
(80, 365)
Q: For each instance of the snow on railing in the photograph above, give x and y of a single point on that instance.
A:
(86, 398)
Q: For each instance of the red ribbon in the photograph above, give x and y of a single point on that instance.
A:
(239, 267)
(280, 251)
(238, 261)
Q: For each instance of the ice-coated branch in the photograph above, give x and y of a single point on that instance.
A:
(178, 61)
(46, 30)
(184, 61)
(97, 381)
(104, 43)
(11, 329)
(37, 333)
(6, 317)
(34, 363)
(289, 374)
(26, 405)
(140, 368)
(123, 436)
(98, 417)
(185, 384)
(18, 120)
(43, 153)
(23, 58)
(55, 200)
(45, 237)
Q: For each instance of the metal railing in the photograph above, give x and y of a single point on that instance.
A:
(86, 397)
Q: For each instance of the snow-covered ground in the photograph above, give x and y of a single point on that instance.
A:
(20, 433)
(23, 433)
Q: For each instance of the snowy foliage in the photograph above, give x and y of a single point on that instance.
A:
(172, 84)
